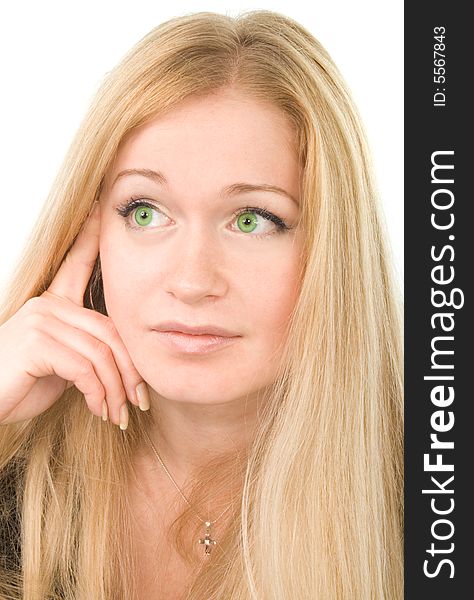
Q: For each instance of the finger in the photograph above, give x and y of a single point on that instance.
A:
(57, 359)
(101, 327)
(76, 269)
(42, 395)
(99, 354)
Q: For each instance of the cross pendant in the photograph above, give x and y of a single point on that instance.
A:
(207, 541)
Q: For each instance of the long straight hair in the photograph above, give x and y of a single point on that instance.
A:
(320, 514)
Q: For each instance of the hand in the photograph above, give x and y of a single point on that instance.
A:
(52, 342)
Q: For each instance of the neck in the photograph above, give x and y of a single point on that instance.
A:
(188, 436)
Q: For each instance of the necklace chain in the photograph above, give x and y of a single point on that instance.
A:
(206, 521)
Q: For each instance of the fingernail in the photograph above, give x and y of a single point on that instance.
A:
(123, 416)
(143, 396)
(104, 411)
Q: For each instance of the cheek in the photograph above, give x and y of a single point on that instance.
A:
(269, 302)
(272, 298)
(122, 277)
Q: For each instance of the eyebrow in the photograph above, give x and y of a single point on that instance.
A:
(230, 190)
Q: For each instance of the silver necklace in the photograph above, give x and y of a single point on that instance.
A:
(207, 541)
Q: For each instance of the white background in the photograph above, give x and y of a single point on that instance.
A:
(54, 55)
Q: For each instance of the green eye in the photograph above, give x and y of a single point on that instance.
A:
(247, 222)
(143, 215)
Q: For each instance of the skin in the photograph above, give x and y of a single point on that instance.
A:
(192, 263)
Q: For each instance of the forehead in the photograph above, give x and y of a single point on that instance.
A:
(221, 135)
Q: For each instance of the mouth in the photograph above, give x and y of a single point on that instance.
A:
(176, 326)
(189, 343)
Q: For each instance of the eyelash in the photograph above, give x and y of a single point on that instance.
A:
(125, 209)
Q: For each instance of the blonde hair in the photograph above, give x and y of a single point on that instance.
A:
(322, 490)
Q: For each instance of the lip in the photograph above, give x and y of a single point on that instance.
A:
(194, 340)
(194, 344)
(175, 326)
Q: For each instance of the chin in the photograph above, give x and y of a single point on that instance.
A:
(203, 381)
(196, 396)
(209, 388)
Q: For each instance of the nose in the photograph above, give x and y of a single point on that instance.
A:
(194, 266)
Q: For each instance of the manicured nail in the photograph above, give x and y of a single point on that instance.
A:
(104, 411)
(143, 396)
(123, 416)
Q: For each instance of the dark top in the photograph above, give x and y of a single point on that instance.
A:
(10, 531)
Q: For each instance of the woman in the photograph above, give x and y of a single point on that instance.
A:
(220, 182)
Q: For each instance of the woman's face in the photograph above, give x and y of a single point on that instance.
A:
(187, 256)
